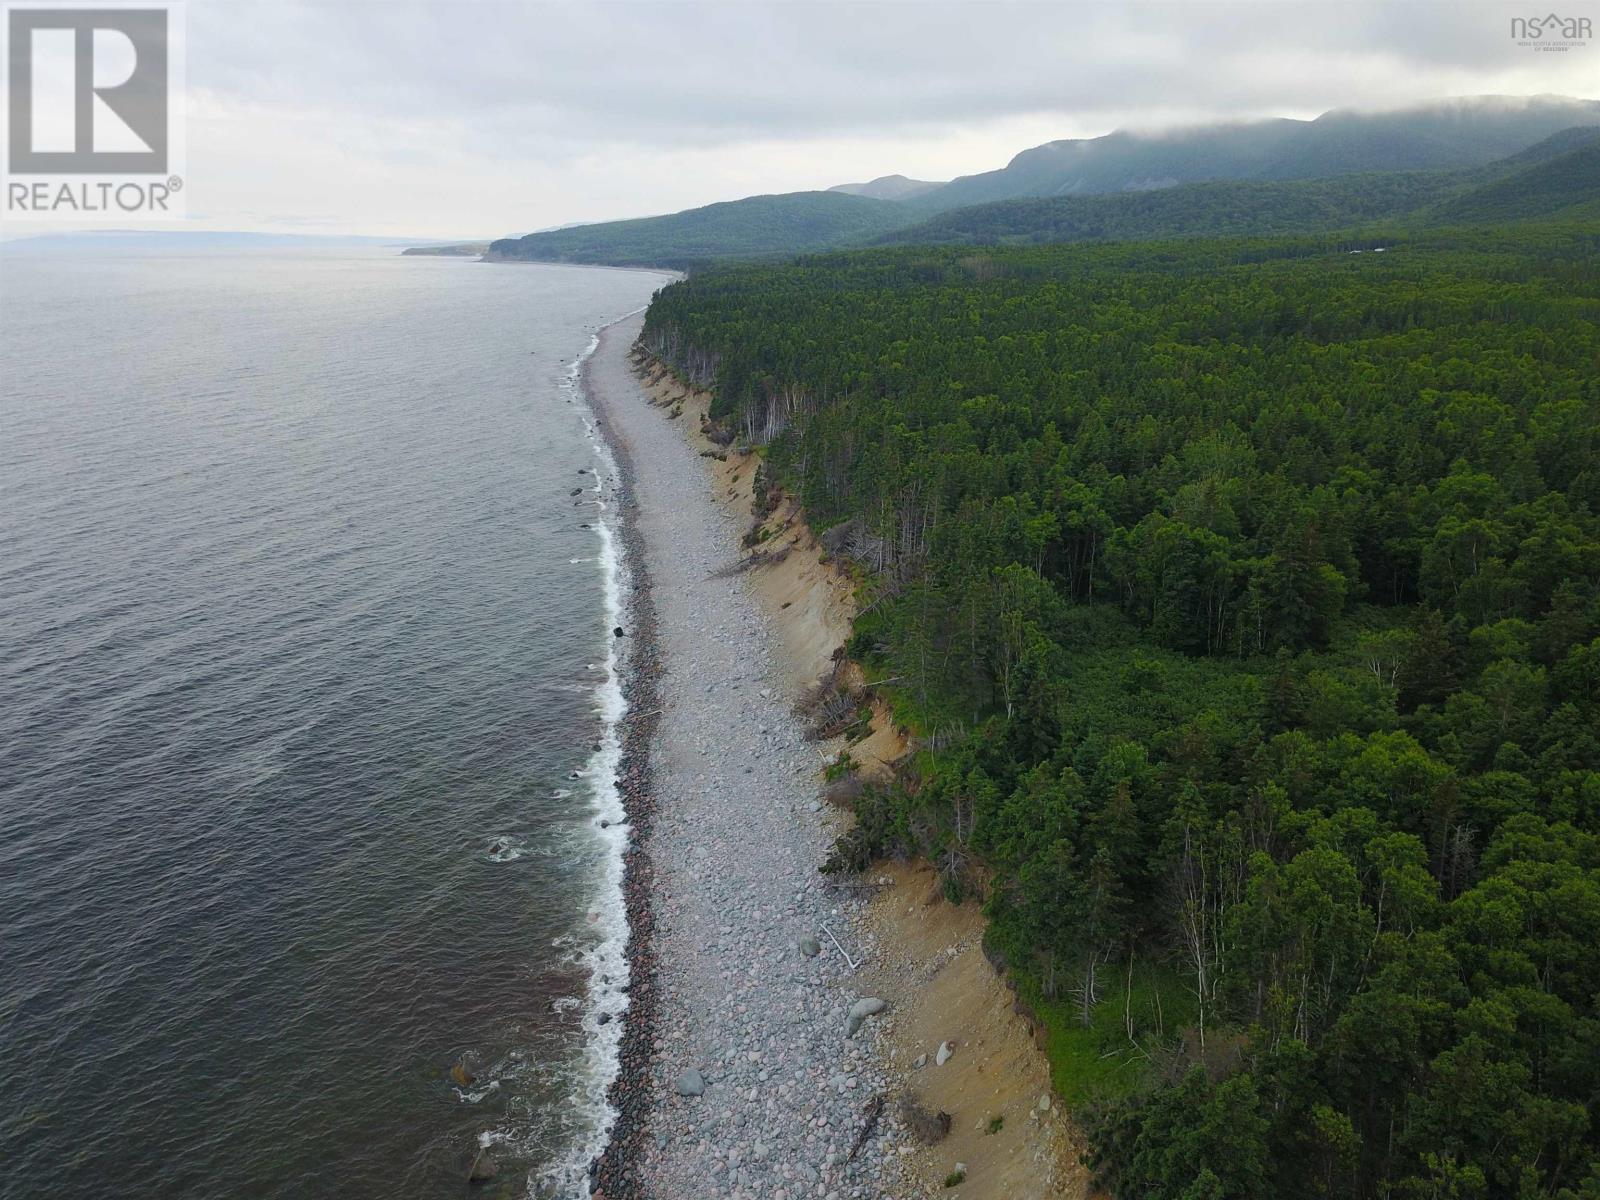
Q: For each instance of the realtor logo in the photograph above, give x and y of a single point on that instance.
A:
(115, 91)
(93, 98)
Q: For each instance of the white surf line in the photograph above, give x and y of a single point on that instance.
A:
(605, 959)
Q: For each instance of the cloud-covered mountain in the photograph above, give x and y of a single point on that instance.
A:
(1463, 132)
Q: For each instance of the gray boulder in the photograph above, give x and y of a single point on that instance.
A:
(871, 1006)
(465, 1072)
(483, 1168)
(810, 947)
(690, 1083)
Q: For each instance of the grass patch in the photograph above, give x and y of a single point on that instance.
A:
(1098, 1061)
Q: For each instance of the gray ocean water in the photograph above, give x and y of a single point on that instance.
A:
(304, 741)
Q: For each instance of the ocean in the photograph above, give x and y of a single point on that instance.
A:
(308, 708)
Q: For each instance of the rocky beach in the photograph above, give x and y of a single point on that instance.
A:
(768, 1038)
(738, 1077)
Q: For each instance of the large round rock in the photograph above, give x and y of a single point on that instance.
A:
(690, 1083)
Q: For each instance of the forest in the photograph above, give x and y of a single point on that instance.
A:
(1243, 596)
(1219, 208)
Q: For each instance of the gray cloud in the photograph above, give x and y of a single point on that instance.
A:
(529, 92)
(689, 71)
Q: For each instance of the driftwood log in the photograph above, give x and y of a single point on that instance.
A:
(874, 1110)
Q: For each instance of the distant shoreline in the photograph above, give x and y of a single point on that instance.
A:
(453, 250)
(555, 262)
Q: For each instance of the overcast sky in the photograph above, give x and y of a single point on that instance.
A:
(457, 118)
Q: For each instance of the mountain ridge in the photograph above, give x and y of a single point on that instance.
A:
(1280, 175)
(888, 187)
(784, 223)
(1556, 177)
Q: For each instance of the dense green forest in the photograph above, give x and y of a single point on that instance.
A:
(753, 227)
(1245, 598)
(1195, 209)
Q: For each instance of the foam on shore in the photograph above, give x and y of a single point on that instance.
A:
(603, 956)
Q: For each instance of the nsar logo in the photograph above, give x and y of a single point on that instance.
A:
(1552, 32)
